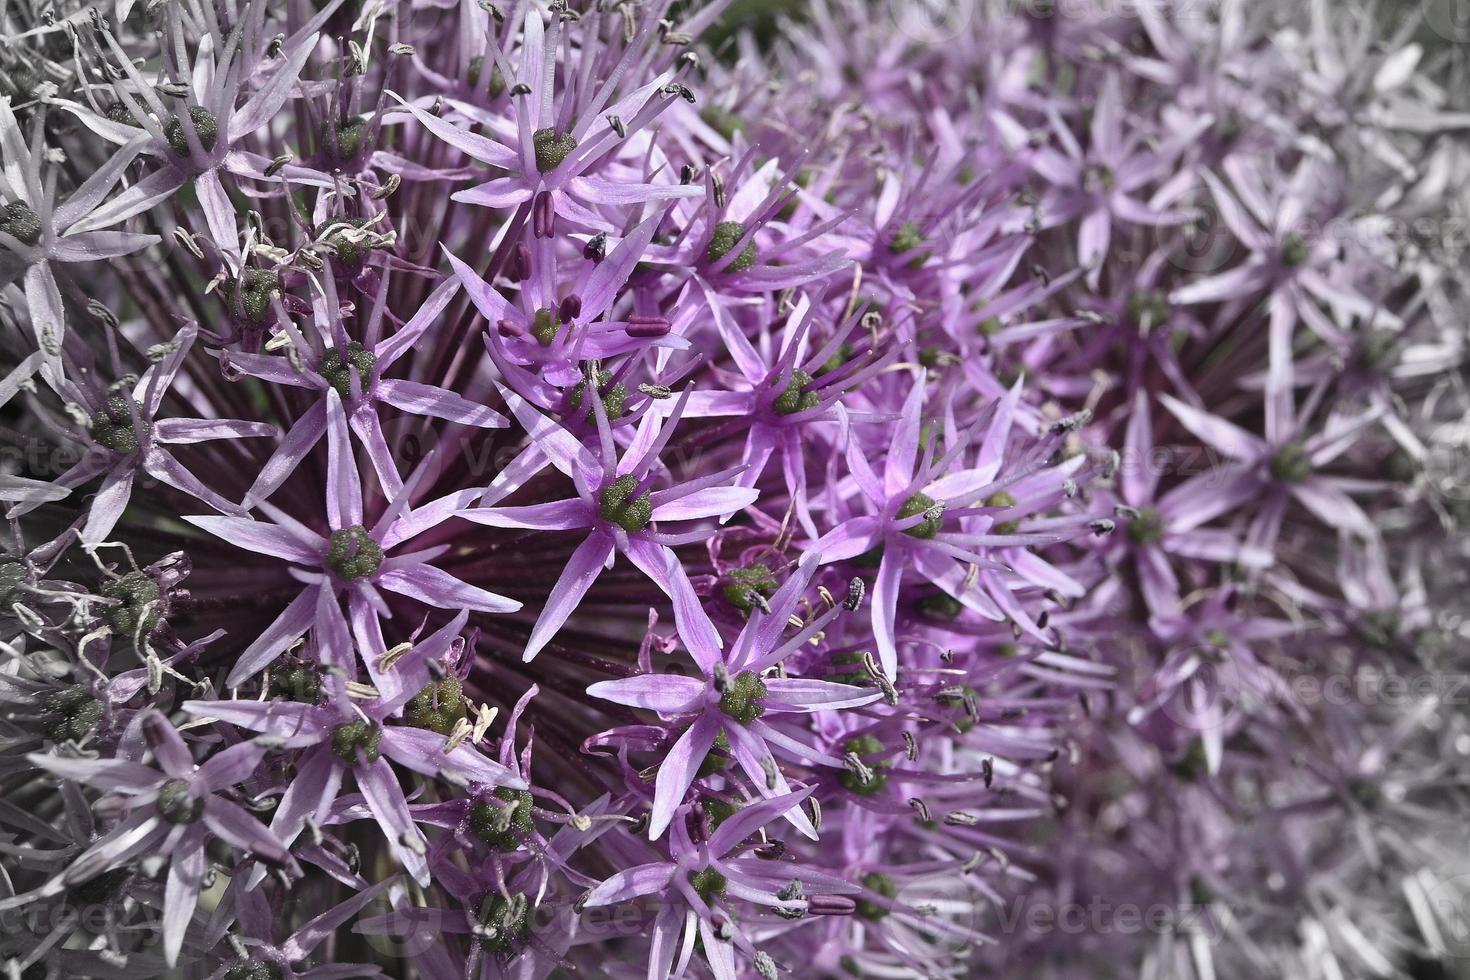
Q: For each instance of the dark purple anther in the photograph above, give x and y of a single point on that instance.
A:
(519, 265)
(831, 905)
(642, 325)
(543, 215)
(570, 309)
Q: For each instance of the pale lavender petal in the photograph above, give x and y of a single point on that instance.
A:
(668, 694)
(199, 430)
(421, 399)
(438, 588)
(344, 483)
(262, 538)
(108, 505)
(677, 771)
(643, 879)
(289, 626)
(662, 566)
(581, 570)
(385, 798)
(181, 893)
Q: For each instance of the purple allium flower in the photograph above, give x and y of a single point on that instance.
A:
(543, 488)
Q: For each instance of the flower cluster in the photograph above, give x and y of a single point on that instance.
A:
(495, 488)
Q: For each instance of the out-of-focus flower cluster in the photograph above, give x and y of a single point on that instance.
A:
(500, 487)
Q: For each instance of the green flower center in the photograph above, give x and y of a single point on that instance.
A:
(507, 922)
(908, 237)
(119, 113)
(12, 577)
(795, 397)
(337, 369)
(72, 713)
(253, 970)
(941, 605)
(205, 128)
(1292, 463)
(297, 684)
(545, 325)
(502, 827)
(352, 554)
(355, 741)
(439, 707)
(744, 585)
(1378, 348)
(726, 236)
(722, 121)
(1148, 306)
(497, 78)
(113, 426)
(614, 397)
(922, 503)
(742, 697)
(708, 884)
(20, 222)
(1294, 252)
(134, 592)
(1146, 528)
(620, 507)
(718, 811)
(718, 757)
(98, 891)
(552, 148)
(176, 804)
(349, 139)
(253, 295)
(1003, 499)
(879, 884)
(865, 747)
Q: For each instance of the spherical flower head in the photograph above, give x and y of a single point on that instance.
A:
(352, 554)
(727, 235)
